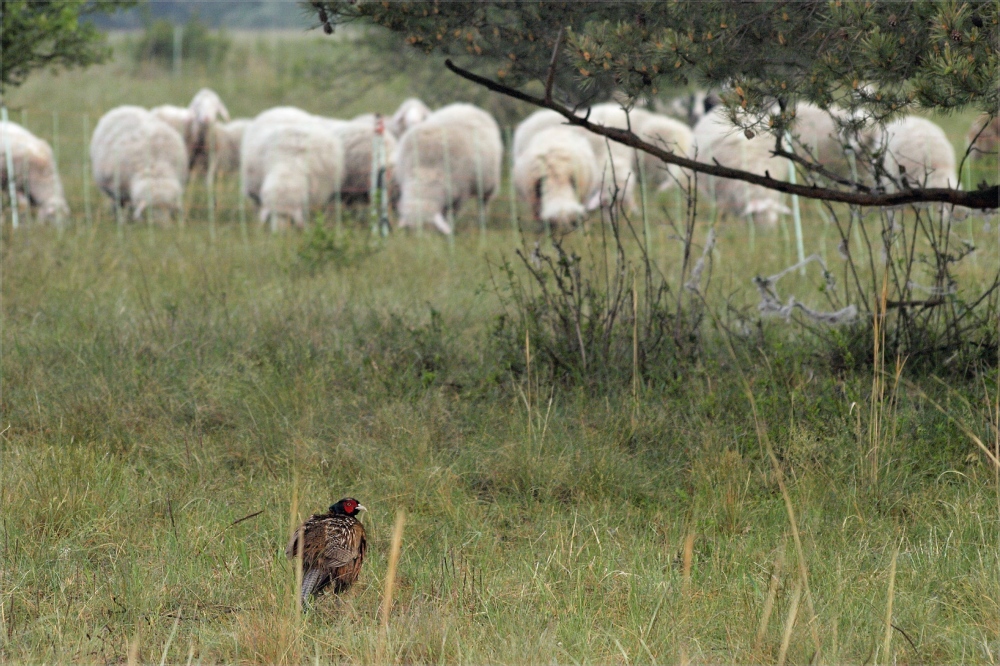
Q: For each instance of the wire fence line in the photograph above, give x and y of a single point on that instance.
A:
(216, 197)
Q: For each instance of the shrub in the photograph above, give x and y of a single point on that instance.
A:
(198, 44)
(588, 320)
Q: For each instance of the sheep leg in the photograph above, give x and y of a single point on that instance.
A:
(441, 224)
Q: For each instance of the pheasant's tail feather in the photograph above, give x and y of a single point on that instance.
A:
(311, 583)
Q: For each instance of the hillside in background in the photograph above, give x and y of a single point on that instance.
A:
(247, 15)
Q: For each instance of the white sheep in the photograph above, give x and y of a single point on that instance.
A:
(816, 136)
(669, 134)
(194, 123)
(227, 138)
(177, 117)
(290, 167)
(716, 139)
(453, 155)
(556, 173)
(411, 112)
(917, 154)
(619, 163)
(984, 136)
(359, 140)
(139, 160)
(35, 176)
(619, 176)
(538, 121)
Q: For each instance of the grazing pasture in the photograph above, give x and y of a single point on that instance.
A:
(175, 399)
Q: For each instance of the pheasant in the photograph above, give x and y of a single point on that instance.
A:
(332, 547)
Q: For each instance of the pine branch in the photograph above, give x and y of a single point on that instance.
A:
(987, 198)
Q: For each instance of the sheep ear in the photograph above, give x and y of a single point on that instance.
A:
(595, 202)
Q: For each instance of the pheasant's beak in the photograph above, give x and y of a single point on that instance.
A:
(361, 507)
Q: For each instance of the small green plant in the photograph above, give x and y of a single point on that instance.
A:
(323, 246)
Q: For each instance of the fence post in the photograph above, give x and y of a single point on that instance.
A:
(55, 138)
(511, 188)
(242, 205)
(855, 214)
(796, 213)
(383, 177)
(449, 191)
(373, 185)
(210, 180)
(9, 155)
(86, 169)
(639, 157)
(118, 195)
(416, 167)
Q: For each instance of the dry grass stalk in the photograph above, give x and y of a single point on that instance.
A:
(390, 584)
(878, 381)
(887, 642)
(635, 342)
(803, 571)
(772, 595)
(133, 646)
(688, 556)
(170, 639)
(390, 574)
(793, 612)
(993, 457)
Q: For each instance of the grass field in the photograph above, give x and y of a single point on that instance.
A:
(175, 399)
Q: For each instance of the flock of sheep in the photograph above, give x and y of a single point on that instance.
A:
(291, 161)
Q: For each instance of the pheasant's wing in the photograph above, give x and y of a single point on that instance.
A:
(342, 545)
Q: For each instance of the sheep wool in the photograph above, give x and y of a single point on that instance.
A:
(816, 136)
(35, 176)
(291, 162)
(453, 155)
(556, 173)
(538, 121)
(715, 138)
(195, 123)
(227, 138)
(411, 112)
(669, 134)
(139, 160)
(984, 136)
(618, 177)
(358, 139)
(917, 154)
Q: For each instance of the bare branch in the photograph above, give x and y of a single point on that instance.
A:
(986, 198)
(819, 169)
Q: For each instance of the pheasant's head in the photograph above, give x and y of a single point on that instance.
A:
(347, 507)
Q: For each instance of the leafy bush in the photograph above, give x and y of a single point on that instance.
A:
(323, 246)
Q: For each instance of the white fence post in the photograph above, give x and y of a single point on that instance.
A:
(12, 189)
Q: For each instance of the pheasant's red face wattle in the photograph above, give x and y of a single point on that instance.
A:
(350, 506)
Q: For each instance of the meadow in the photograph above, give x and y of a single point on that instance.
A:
(175, 400)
